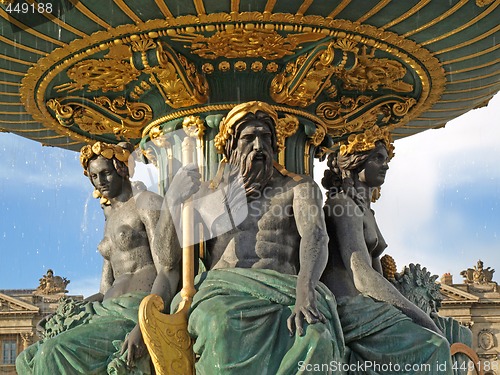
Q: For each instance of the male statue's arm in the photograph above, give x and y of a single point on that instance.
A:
(313, 253)
(349, 233)
(166, 248)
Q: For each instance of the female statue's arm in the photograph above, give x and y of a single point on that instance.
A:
(149, 207)
(358, 263)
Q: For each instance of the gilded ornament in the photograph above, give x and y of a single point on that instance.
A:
(318, 136)
(246, 42)
(193, 126)
(224, 66)
(145, 85)
(94, 123)
(136, 111)
(157, 136)
(142, 45)
(357, 114)
(389, 268)
(346, 45)
(304, 80)
(87, 120)
(40, 78)
(373, 74)
(128, 122)
(286, 127)
(272, 67)
(207, 68)
(227, 107)
(104, 74)
(240, 66)
(118, 52)
(256, 66)
(175, 77)
(483, 3)
(366, 141)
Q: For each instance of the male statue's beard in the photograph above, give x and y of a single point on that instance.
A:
(254, 176)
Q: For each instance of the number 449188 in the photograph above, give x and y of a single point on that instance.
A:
(29, 8)
(470, 366)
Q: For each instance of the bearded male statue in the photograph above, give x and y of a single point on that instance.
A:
(259, 309)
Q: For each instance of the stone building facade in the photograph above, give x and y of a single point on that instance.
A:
(476, 303)
(20, 311)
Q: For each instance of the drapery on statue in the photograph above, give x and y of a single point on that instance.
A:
(50, 284)
(379, 324)
(262, 280)
(91, 336)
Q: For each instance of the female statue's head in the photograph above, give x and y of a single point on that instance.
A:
(107, 166)
(362, 159)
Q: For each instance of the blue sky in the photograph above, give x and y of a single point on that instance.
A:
(440, 205)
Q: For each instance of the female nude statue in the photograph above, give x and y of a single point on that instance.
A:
(380, 325)
(92, 336)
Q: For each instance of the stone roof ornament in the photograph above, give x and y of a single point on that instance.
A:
(478, 274)
(50, 284)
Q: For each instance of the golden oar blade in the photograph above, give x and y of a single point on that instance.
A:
(167, 337)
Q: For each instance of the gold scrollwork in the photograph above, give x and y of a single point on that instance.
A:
(302, 81)
(372, 73)
(157, 136)
(103, 74)
(318, 136)
(314, 141)
(130, 117)
(86, 119)
(482, 3)
(286, 127)
(240, 42)
(354, 115)
(37, 83)
(176, 78)
(136, 114)
(193, 126)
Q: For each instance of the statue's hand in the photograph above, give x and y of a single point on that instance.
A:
(135, 345)
(185, 183)
(305, 307)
